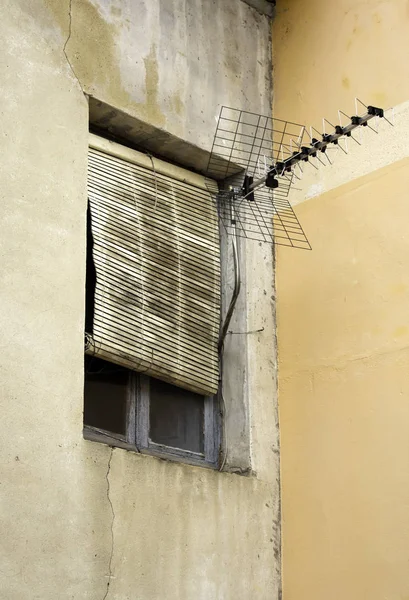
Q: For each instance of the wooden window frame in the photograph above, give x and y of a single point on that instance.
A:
(137, 429)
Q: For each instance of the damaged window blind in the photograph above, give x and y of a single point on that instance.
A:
(156, 254)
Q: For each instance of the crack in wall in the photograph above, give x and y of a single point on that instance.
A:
(65, 46)
(112, 525)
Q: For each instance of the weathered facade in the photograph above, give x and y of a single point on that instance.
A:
(343, 308)
(81, 519)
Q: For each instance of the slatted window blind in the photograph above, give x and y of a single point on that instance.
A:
(156, 253)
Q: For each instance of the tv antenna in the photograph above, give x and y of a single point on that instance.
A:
(256, 159)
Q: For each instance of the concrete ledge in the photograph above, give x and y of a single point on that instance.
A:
(105, 119)
(265, 7)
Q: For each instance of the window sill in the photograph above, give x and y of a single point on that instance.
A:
(155, 450)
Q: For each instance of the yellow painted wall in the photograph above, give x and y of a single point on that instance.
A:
(327, 52)
(343, 311)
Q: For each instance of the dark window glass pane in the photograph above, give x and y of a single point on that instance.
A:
(176, 417)
(105, 395)
(91, 279)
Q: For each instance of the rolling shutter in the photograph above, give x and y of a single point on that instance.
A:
(157, 259)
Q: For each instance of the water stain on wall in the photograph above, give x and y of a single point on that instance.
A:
(152, 108)
(93, 50)
(345, 83)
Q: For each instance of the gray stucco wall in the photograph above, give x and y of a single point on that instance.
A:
(78, 515)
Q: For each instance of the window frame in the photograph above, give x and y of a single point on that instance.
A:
(137, 428)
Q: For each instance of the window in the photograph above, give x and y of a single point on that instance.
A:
(152, 306)
(136, 412)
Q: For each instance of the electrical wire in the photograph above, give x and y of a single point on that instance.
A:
(156, 179)
(223, 333)
(236, 292)
(224, 434)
